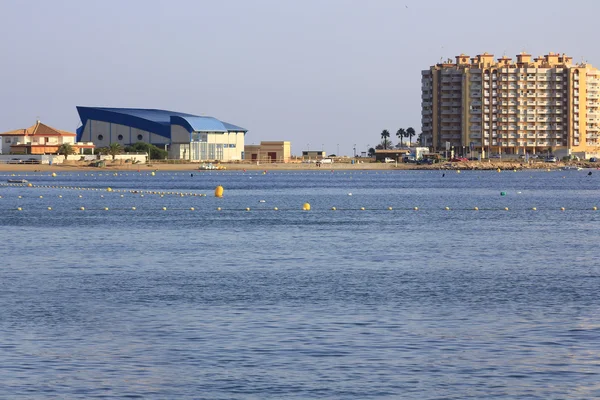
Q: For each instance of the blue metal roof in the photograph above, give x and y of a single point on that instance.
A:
(151, 120)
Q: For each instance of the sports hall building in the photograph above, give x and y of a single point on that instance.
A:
(185, 136)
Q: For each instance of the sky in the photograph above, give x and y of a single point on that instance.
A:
(325, 75)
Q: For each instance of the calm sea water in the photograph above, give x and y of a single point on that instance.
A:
(345, 304)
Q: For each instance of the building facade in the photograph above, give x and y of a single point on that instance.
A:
(484, 106)
(185, 136)
(40, 139)
(269, 152)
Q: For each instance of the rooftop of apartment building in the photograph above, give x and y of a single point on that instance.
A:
(523, 60)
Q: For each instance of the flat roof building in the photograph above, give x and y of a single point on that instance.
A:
(270, 152)
(186, 136)
(528, 105)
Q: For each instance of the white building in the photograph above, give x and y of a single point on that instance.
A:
(185, 136)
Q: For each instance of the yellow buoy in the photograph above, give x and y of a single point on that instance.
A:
(306, 207)
(164, 208)
(41, 197)
(499, 170)
(60, 196)
(534, 209)
(105, 208)
(275, 208)
(333, 208)
(19, 209)
(595, 208)
(362, 209)
(219, 191)
(390, 208)
(133, 208)
(152, 173)
(29, 185)
(218, 208)
(109, 189)
(54, 174)
(49, 208)
(82, 208)
(505, 208)
(562, 209)
(476, 208)
(447, 208)
(191, 208)
(247, 208)
(416, 208)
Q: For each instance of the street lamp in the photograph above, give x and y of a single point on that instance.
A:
(354, 148)
(338, 150)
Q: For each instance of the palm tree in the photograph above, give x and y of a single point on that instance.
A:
(401, 133)
(66, 149)
(410, 132)
(385, 134)
(114, 150)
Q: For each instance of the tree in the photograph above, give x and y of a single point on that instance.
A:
(102, 150)
(114, 150)
(371, 152)
(154, 153)
(410, 132)
(385, 134)
(66, 149)
(400, 133)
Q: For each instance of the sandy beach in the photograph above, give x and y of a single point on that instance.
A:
(366, 166)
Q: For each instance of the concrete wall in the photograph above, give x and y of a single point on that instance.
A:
(179, 134)
(104, 133)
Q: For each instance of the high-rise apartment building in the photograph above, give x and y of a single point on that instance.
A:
(501, 106)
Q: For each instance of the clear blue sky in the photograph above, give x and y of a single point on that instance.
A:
(317, 73)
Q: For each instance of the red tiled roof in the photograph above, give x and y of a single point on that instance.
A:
(38, 129)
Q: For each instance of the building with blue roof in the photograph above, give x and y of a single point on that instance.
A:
(185, 136)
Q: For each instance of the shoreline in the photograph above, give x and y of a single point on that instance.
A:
(471, 165)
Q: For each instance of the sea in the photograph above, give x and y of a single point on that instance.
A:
(394, 285)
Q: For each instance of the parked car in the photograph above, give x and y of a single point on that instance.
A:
(425, 161)
(15, 161)
(551, 159)
(593, 159)
(495, 156)
(389, 160)
(33, 161)
(327, 161)
(459, 159)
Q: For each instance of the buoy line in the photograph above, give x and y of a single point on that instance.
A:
(302, 208)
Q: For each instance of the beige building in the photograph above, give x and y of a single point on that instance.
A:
(269, 152)
(506, 106)
(40, 139)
